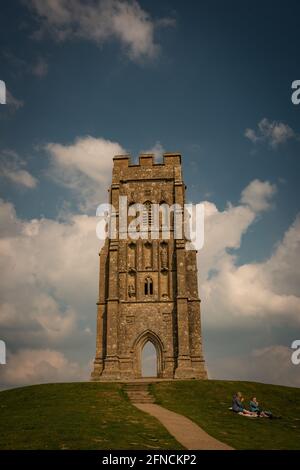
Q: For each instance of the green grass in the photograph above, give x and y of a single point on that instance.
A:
(207, 403)
(77, 416)
(100, 416)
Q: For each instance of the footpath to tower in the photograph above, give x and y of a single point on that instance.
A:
(185, 431)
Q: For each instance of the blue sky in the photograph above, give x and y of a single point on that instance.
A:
(194, 79)
(221, 69)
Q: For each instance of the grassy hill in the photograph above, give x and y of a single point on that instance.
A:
(77, 416)
(207, 402)
(100, 416)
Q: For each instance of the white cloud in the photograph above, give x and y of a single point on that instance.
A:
(12, 168)
(282, 268)
(49, 290)
(238, 292)
(223, 230)
(258, 195)
(10, 225)
(233, 294)
(20, 177)
(248, 306)
(157, 150)
(100, 21)
(85, 167)
(251, 135)
(273, 132)
(27, 367)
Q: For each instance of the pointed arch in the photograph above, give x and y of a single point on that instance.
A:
(137, 349)
(148, 286)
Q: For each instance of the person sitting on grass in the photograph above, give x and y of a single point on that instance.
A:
(238, 406)
(254, 407)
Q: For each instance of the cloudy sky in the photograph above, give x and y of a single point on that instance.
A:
(88, 80)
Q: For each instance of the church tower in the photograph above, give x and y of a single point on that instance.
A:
(148, 286)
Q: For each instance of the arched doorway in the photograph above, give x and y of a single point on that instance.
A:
(149, 360)
(140, 343)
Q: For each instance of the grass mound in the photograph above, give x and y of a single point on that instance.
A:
(77, 416)
(100, 416)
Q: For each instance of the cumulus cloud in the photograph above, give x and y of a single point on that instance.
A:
(20, 177)
(84, 167)
(10, 225)
(248, 306)
(224, 229)
(258, 194)
(157, 150)
(231, 291)
(49, 290)
(46, 262)
(12, 169)
(273, 132)
(40, 366)
(100, 21)
(251, 135)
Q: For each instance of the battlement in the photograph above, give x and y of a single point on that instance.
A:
(147, 160)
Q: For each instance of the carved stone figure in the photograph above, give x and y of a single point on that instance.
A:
(164, 256)
(131, 290)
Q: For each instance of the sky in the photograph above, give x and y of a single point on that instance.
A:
(209, 79)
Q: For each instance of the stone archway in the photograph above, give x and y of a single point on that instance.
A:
(140, 342)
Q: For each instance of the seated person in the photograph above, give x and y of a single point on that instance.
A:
(254, 407)
(238, 406)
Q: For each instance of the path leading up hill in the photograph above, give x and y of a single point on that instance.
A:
(185, 431)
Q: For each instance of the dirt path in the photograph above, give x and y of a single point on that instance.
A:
(185, 431)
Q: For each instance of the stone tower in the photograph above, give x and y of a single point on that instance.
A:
(148, 287)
